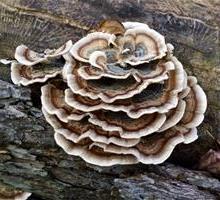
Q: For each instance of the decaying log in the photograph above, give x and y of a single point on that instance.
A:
(29, 158)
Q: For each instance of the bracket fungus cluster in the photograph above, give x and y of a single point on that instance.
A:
(116, 96)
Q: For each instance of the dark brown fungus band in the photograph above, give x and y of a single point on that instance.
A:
(145, 102)
(32, 67)
(77, 131)
(53, 102)
(122, 97)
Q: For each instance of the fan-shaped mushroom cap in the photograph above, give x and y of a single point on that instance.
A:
(94, 156)
(191, 108)
(25, 56)
(146, 71)
(150, 150)
(141, 103)
(53, 102)
(26, 75)
(142, 45)
(108, 89)
(33, 67)
(51, 53)
(126, 126)
(78, 131)
(84, 48)
(6, 61)
(139, 44)
(154, 149)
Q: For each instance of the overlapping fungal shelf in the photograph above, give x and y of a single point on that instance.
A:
(116, 96)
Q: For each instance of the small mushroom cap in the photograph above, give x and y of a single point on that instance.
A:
(32, 67)
(6, 61)
(83, 49)
(25, 56)
(144, 45)
(111, 26)
(60, 51)
(27, 75)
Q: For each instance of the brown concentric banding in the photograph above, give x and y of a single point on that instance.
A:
(27, 55)
(159, 148)
(57, 92)
(190, 109)
(93, 155)
(170, 85)
(87, 100)
(146, 143)
(126, 123)
(124, 102)
(83, 46)
(81, 129)
(151, 145)
(85, 84)
(196, 104)
(26, 72)
(155, 43)
(96, 73)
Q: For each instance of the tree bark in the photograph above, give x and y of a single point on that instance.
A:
(29, 158)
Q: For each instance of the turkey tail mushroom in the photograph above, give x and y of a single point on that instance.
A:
(32, 67)
(122, 97)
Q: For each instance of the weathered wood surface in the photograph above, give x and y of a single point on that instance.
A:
(29, 157)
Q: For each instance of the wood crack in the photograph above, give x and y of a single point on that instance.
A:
(45, 15)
